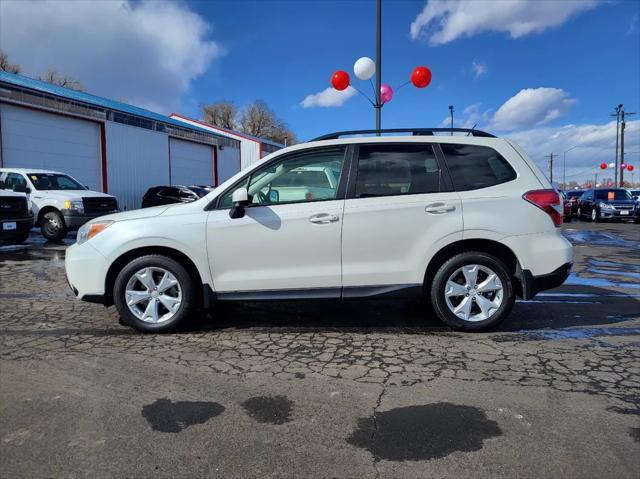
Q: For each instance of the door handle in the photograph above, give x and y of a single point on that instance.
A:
(439, 208)
(323, 218)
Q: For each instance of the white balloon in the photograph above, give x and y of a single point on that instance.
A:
(612, 165)
(364, 68)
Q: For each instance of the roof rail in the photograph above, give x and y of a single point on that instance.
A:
(414, 131)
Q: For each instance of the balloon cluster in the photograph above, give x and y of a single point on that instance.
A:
(364, 68)
(623, 166)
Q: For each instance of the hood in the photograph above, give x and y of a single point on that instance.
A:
(71, 194)
(11, 194)
(136, 214)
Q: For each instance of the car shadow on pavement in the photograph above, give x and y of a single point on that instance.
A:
(565, 307)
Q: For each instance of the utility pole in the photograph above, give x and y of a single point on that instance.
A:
(622, 127)
(451, 113)
(378, 105)
(617, 115)
(551, 167)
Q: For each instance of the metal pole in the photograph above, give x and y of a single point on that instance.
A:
(451, 113)
(564, 171)
(622, 125)
(618, 108)
(378, 105)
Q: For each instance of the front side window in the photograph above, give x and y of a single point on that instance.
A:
(390, 170)
(303, 177)
(54, 181)
(473, 167)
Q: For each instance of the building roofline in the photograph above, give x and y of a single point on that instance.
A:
(92, 100)
(226, 130)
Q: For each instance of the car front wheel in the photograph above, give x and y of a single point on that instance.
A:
(595, 217)
(154, 294)
(472, 291)
(52, 226)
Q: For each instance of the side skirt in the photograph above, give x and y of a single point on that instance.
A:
(394, 291)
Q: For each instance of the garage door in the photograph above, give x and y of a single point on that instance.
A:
(191, 163)
(36, 139)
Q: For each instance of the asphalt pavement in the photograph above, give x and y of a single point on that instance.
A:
(325, 389)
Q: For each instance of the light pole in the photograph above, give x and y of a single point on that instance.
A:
(378, 105)
(451, 113)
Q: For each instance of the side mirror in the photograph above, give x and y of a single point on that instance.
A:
(240, 199)
(274, 196)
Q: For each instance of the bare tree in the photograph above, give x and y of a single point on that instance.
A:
(6, 66)
(222, 114)
(257, 119)
(66, 81)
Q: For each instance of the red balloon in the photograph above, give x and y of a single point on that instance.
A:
(603, 166)
(630, 167)
(340, 80)
(421, 77)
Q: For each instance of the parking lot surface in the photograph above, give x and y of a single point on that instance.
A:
(325, 389)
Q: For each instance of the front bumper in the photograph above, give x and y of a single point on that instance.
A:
(22, 226)
(532, 285)
(86, 270)
(74, 220)
(606, 214)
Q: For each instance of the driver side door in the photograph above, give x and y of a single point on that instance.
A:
(288, 243)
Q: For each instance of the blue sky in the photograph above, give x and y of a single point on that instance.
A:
(545, 73)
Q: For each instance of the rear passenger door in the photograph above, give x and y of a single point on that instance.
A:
(400, 210)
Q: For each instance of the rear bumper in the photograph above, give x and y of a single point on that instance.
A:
(532, 285)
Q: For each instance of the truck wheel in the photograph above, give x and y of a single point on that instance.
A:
(472, 291)
(154, 294)
(52, 226)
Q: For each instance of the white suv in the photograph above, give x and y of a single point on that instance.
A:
(60, 203)
(467, 221)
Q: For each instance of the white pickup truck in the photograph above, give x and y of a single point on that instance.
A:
(59, 202)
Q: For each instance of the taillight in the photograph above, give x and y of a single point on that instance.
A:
(548, 201)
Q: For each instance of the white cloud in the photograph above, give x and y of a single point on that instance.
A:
(443, 21)
(531, 107)
(328, 97)
(479, 68)
(595, 144)
(146, 53)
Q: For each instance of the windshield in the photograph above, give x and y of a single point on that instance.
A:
(54, 181)
(612, 195)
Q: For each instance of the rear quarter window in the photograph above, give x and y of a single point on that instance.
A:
(473, 167)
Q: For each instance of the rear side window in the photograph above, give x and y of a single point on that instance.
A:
(388, 170)
(473, 167)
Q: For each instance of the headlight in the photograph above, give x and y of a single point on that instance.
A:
(605, 206)
(77, 205)
(89, 230)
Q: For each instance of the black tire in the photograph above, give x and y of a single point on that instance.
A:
(186, 284)
(595, 216)
(579, 214)
(448, 268)
(52, 226)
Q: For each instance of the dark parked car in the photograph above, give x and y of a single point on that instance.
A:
(16, 218)
(607, 203)
(166, 195)
(571, 199)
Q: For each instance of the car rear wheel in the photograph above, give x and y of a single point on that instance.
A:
(154, 294)
(472, 291)
(52, 226)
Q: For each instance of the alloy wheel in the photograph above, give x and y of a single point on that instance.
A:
(474, 293)
(153, 295)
